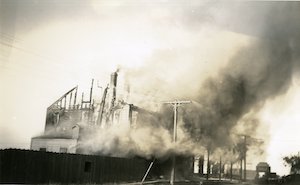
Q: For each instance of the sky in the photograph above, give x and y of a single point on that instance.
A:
(169, 48)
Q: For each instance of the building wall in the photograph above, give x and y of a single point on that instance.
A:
(54, 145)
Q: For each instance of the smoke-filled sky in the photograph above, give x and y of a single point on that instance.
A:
(238, 61)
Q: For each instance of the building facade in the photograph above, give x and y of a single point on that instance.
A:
(68, 117)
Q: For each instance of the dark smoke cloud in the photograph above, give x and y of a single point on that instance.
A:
(226, 103)
(254, 75)
(258, 72)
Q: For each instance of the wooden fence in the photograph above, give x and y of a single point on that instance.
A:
(32, 167)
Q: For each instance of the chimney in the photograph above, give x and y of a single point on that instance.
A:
(113, 91)
(113, 79)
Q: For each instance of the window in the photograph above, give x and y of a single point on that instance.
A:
(87, 166)
(63, 150)
(43, 149)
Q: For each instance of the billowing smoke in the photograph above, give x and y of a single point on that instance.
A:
(254, 75)
(151, 137)
(262, 71)
(226, 103)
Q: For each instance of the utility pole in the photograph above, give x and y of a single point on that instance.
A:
(241, 168)
(175, 104)
(243, 158)
(245, 151)
(231, 165)
(208, 165)
(220, 170)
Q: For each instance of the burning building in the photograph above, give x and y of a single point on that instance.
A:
(68, 118)
(73, 124)
(71, 119)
